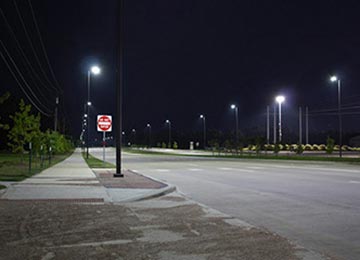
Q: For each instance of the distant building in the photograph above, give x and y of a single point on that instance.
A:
(355, 141)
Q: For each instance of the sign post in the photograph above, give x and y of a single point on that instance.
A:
(104, 124)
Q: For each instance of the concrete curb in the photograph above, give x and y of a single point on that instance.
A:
(154, 193)
(149, 195)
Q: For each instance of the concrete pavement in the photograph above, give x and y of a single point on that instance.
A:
(315, 204)
(73, 179)
(39, 220)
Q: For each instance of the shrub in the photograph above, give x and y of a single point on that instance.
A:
(299, 149)
(308, 147)
(277, 148)
(322, 147)
(330, 145)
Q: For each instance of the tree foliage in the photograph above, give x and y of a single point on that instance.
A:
(25, 129)
(330, 145)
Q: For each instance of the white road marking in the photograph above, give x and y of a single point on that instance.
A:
(255, 168)
(162, 170)
(225, 169)
(316, 168)
(195, 170)
(357, 182)
(234, 169)
(244, 170)
(193, 164)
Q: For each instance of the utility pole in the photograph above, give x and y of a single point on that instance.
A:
(119, 85)
(56, 114)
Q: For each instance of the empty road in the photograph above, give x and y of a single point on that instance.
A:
(315, 204)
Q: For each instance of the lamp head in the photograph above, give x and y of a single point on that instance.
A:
(95, 70)
(280, 99)
(201, 116)
(333, 78)
(232, 106)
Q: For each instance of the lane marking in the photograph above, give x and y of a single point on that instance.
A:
(255, 168)
(234, 169)
(193, 164)
(195, 170)
(244, 170)
(225, 169)
(162, 170)
(316, 168)
(356, 182)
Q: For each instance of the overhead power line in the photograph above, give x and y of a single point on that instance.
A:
(25, 82)
(43, 47)
(32, 47)
(28, 65)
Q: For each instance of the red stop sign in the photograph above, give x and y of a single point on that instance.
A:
(104, 123)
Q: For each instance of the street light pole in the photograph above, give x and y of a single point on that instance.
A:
(94, 70)
(335, 79)
(204, 129)
(88, 115)
(280, 99)
(268, 125)
(149, 127)
(235, 108)
(169, 123)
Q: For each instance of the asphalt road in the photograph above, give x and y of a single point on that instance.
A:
(316, 205)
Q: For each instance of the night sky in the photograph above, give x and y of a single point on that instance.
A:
(185, 58)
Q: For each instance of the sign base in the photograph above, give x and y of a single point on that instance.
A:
(118, 175)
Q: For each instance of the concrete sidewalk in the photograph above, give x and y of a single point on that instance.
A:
(72, 179)
(56, 218)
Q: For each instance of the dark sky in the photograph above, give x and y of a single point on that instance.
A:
(184, 58)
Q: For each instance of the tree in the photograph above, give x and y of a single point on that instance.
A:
(330, 145)
(25, 129)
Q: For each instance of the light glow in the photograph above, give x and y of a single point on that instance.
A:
(95, 70)
(280, 99)
(333, 78)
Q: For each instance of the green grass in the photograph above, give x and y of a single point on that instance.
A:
(15, 167)
(271, 156)
(96, 163)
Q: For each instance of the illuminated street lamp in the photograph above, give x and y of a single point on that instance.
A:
(204, 125)
(335, 79)
(169, 124)
(280, 100)
(93, 70)
(235, 108)
(148, 126)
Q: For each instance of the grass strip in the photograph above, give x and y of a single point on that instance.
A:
(15, 167)
(96, 163)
